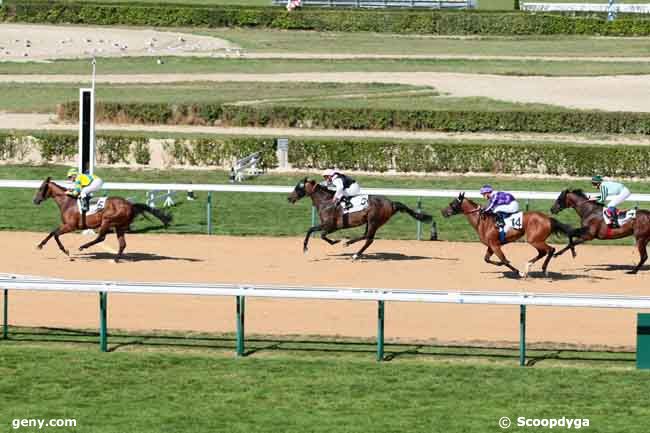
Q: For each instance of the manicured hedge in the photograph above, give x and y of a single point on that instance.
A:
(379, 155)
(568, 121)
(352, 20)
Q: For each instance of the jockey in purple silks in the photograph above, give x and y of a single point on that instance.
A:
(501, 204)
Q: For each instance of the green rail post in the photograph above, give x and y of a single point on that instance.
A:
(103, 338)
(527, 204)
(419, 223)
(522, 335)
(5, 317)
(209, 212)
(380, 331)
(241, 307)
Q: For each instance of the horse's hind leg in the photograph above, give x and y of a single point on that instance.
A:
(101, 235)
(542, 251)
(122, 242)
(360, 238)
(641, 245)
(370, 238)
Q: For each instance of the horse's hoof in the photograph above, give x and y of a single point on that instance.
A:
(39, 247)
(305, 250)
(355, 256)
(82, 248)
(632, 272)
(66, 252)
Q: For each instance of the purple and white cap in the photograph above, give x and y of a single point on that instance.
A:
(486, 189)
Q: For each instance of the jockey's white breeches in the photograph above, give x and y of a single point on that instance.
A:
(614, 201)
(94, 186)
(507, 208)
(354, 189)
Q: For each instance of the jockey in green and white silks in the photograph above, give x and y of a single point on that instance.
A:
(614, 193)
(84, 186)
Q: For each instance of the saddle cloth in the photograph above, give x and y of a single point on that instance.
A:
(94, 207)
(623, 217)
(359, 203)
(514, 221)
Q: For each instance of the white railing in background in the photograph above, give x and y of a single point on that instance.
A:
(584, 7)
(401, 192)
(241, 291)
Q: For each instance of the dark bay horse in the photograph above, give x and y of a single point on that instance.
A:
(117, 214)
(379, 211)
(537, 227)
(593, 223)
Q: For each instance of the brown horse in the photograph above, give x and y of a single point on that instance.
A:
(537, 227)
(379, 211)
(117, 214)
(591, 217)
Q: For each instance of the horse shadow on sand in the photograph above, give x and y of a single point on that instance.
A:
(385, 257)
(609, 268)
(133, 257)
(550, 276)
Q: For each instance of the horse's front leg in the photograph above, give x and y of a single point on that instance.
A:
(488, 255)
(56, 233)
(309, 233)
(47, 238)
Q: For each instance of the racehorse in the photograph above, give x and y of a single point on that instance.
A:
(117, 214)
(595, 227)
(378, 212)
(537, 227)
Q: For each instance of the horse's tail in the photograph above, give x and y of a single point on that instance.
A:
(143, 209)
(565, 229)
(420, 216)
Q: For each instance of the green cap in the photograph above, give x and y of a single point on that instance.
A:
(597, 179)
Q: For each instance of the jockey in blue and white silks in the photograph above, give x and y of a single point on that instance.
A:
(502, 204)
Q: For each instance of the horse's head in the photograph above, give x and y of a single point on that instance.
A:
(303, 188)
(455, 207)
(43, 192)
(560, 203)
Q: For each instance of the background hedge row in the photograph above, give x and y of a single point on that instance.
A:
(567, 121)
(346, 20)
(366, 155)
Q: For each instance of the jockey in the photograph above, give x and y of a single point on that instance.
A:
(502, 204)
(345, 185)
(84, 185)
(614, 193)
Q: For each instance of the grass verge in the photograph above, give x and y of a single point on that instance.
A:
(196, 65)
(185, 390)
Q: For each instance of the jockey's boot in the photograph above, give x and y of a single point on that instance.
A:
(499, 218)
(85, 203)
(346, 203)
(612, 213)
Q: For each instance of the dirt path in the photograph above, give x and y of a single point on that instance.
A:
(20, 42)
(391, 264)
(616, 93)
(32, 121)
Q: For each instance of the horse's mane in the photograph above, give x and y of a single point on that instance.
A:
(320, 187)
(580, 193)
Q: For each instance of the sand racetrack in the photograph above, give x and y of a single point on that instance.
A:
(390, 264)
